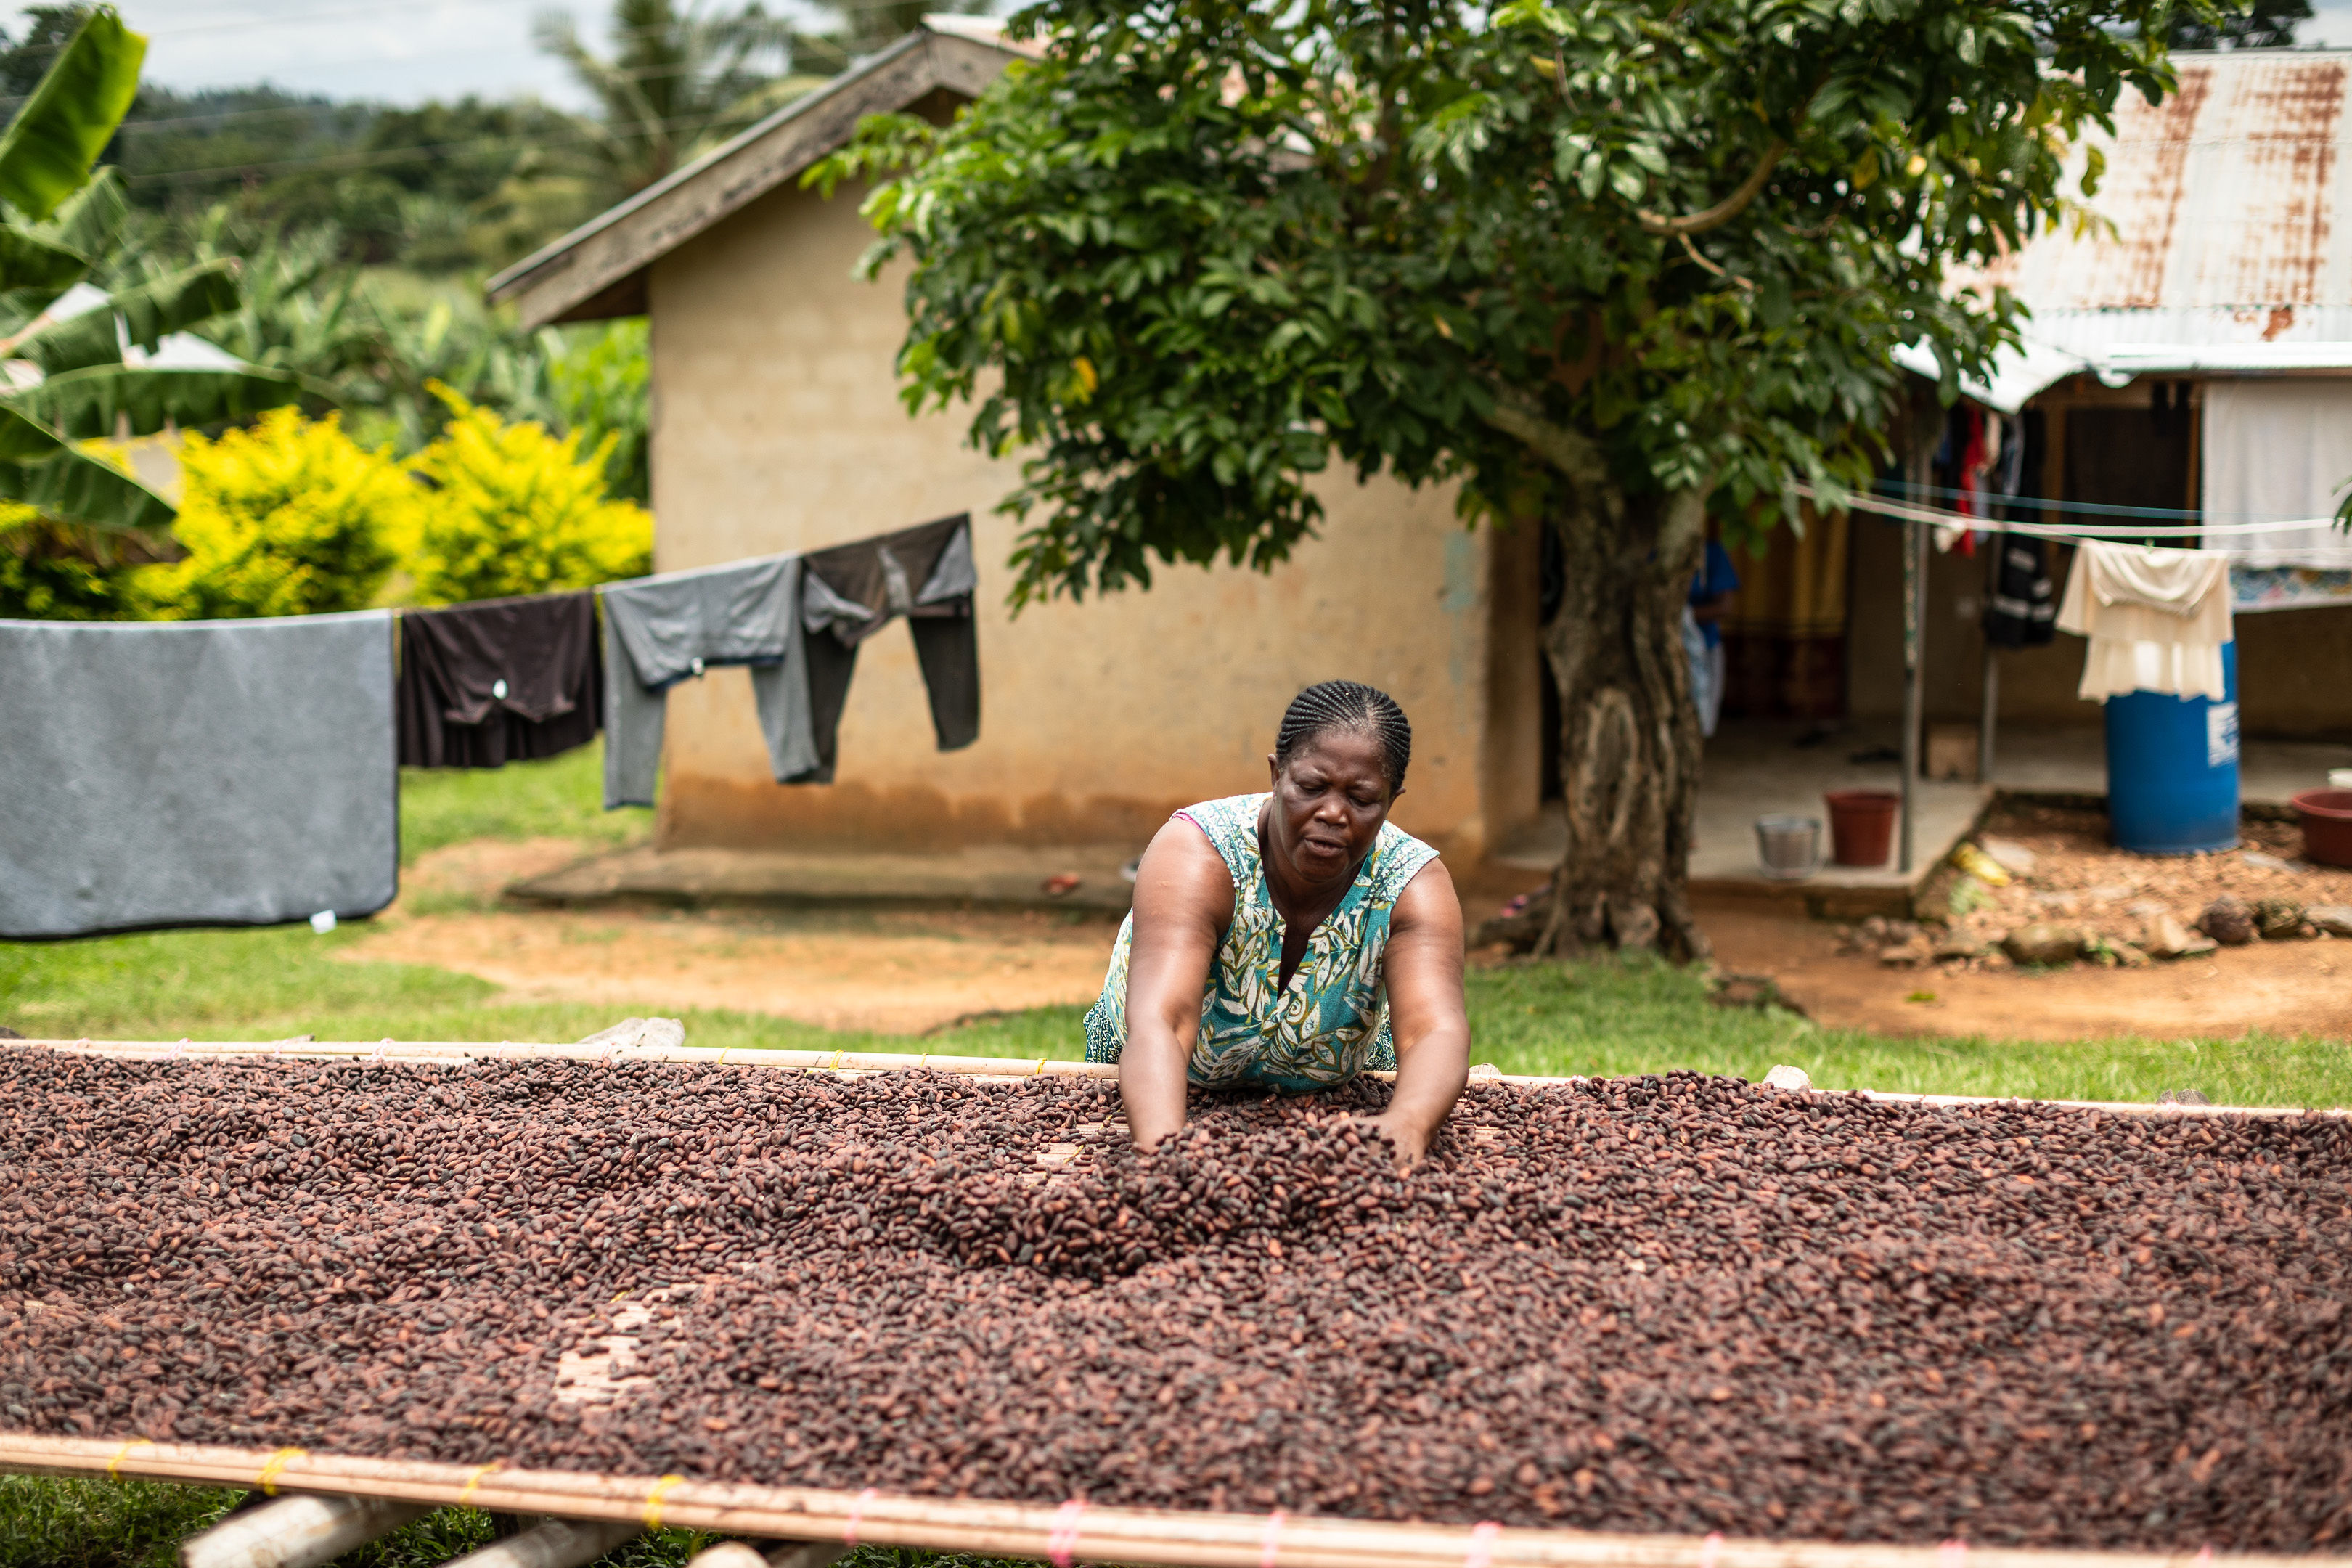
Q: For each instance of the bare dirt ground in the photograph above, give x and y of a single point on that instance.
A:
(2287, 988)
(889, 970)
(906, 971)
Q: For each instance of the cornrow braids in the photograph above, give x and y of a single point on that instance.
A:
(1351, 708)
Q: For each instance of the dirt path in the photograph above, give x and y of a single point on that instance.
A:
(906, 971)
(2287, 988)
(894, 972)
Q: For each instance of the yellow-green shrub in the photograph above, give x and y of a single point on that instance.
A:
(508, 509)
(288, 518)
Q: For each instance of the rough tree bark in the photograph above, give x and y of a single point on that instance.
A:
(1628, 735)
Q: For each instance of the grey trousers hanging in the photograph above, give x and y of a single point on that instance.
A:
(661, 630)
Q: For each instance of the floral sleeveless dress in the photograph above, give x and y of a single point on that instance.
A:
(1331, 1022)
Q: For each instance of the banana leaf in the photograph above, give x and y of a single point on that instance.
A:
(84, 404)
(145, 312)
(93, 216)
(46, 153)
(39, 470)
(29, 262)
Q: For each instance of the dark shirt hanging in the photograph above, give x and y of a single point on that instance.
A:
(499, 682)
(850, 592)
(2021, 611)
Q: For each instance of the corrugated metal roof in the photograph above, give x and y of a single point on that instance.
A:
(2231, 203)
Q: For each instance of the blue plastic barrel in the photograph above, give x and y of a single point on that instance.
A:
(2172, 769)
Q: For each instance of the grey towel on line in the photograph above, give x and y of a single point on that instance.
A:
(197, 772)
(667, 628)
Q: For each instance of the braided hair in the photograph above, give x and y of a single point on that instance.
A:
(1351, 707)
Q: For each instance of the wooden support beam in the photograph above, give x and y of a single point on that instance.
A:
(553, 1543)
(1028, 1532)
(297, 1532)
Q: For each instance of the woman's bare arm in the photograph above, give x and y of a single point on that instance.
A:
(1421, 967)
(1183, 902)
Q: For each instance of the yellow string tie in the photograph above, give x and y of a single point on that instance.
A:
(474, 1480)
(1040, 1073)
(654, 1500)
(112, 1471)
(268, 1480)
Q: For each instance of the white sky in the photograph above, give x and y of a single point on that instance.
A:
(397, 51)
(405, 51)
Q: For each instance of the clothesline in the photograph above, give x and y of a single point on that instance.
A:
(1913, 511)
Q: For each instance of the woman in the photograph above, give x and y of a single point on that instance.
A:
(1292, 940)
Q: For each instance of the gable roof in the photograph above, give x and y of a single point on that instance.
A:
(598, 270)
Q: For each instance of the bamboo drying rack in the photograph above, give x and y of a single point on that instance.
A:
(1063, 1535)
(861, 1064)
(1058, 1535)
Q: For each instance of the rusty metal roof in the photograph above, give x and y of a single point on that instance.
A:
(2231, 203)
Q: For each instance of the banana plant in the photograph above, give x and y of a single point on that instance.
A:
(72, 377)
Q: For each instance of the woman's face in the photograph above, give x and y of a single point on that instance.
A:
(1329, 804)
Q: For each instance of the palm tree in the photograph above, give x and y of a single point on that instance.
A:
(681, 82)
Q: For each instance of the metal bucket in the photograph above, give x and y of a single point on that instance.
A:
(1789, 847)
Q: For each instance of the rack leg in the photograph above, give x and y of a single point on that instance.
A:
(299, 1532)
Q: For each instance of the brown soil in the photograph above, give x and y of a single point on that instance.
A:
(2285, 988)
(894, 971)
(906, 971)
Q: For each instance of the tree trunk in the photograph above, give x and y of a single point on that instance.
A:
(1628, 734)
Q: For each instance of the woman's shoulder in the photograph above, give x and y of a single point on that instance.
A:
(1397, 858)
(1230, 825)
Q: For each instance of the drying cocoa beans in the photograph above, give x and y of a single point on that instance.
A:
(1668, 1303)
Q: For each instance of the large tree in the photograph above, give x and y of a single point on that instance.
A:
(1607, 264)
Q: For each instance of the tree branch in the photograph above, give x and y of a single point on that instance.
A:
(1571, 452)
(1724, 211)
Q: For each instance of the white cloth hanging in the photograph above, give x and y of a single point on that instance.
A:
(2279, 448)
(2157, 619)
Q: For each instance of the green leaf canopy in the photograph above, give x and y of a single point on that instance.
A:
(38, 469)
(87, 404)
(141, 316)
(47, 149)
(1571, 254)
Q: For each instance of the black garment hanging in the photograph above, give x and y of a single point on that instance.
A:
(850, 592)
(2021, 611)
(498, 681)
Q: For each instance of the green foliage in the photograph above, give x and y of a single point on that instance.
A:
(2258, 24)
(47, 149)
(515, 510)
(1563, 252)
(599, 380)
(681, 82)
(49, 571)
(289, 517)
(75, 1523)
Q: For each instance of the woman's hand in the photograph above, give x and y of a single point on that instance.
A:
(1410, 1139)
(1421, 968)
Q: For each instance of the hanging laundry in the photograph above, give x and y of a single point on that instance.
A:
(664, 629)
(2021, 611)
(500, 680)
(2157, 619)
(850, 592)
(196, 772)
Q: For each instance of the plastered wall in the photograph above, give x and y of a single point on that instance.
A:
(777, 427)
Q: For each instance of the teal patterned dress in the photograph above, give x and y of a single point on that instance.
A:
(1332, 1022)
